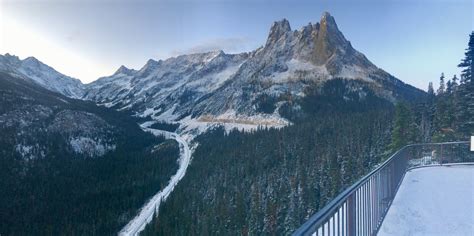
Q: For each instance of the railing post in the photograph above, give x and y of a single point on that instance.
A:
(351, 215)
(441, 156)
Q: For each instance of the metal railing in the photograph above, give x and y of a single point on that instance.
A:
(361, 208)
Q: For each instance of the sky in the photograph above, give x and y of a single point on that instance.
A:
(414, 40)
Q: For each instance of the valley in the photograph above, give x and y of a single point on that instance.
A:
(151, 208)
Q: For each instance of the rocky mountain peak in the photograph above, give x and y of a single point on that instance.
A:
(283, 26)
(329, 41)
(32, 59)
(9, 56)
(319, 43)
(8, 60)
(124, 70)
(278, 30)
(329, 30)
(151, 62)
(149, 67)
(33, 62)
(209, 56)
(326, 18)
(219, 53)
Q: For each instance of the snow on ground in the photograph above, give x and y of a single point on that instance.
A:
(354, 72)
(148, 112)
(213, 81)
(91, 147)
(245, 122)
(167, 116)
(230, 120)
(296, 67)
(146, 213)
(433, 201)
(26, 151)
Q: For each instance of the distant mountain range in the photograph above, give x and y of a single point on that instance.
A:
(239, 90)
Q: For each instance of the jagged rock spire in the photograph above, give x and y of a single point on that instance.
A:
(317, 42)
(326, 18)
(278, 30)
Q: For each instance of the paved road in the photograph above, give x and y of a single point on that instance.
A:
(137, 224)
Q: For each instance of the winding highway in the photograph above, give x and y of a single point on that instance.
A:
(145, 216)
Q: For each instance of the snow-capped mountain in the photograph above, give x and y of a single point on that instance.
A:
(218, 87)
(215, 87)
(32, 69)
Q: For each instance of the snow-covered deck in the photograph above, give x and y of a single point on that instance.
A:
(433, 201)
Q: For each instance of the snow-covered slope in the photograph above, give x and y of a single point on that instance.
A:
(174, 83)
(32, 69)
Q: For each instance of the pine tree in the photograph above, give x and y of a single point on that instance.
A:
(431, 90)
(428, 112)
(454, 82)
(441, 85)
(465, 106)
(449, 87)
(441, 111)
(442, 118)
(403, 130)
(467, 62)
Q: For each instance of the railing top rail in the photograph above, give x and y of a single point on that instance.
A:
(333, 205)
(442, 143)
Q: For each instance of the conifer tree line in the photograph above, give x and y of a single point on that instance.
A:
(445, 115)
(268, 182)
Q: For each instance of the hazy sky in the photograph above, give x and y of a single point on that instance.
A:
(415, 40)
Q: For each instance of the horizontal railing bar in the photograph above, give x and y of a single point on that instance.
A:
(443, 143)
(438, 165)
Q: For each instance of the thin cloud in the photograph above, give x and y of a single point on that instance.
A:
(228, 45)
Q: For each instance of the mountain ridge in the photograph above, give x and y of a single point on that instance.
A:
(215, 87)
(32, 69)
